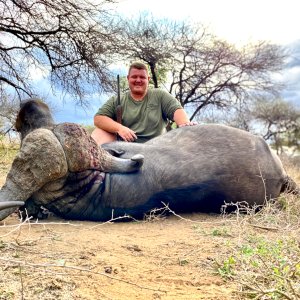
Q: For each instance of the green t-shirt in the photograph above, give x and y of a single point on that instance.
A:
(148, 118)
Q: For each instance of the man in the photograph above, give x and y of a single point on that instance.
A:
(144, 111)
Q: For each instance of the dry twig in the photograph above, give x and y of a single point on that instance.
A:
(24, 263)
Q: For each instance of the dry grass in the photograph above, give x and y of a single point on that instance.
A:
(7, 153)
(264, 257)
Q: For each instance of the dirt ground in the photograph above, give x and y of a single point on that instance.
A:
(163, 259)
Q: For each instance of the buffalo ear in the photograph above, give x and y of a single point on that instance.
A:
(116, 153)
(113, 152)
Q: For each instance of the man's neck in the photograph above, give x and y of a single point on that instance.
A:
(138, 97)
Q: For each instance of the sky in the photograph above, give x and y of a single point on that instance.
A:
(237, 21)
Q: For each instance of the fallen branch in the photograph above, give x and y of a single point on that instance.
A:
(24, 263)
(27, 222)
(260, 292)
(17, 226)
(167, 208)
(265, 227)
(113, 219)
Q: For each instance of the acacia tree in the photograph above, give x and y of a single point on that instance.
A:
(280, 122)
(8, 110)
(211, 72)
(203, 71)
(149, 40)
(67, 40)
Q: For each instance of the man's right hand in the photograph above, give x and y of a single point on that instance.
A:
(127, 134)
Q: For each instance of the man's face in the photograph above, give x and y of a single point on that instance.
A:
(138, 81)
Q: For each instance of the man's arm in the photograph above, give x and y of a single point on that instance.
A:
(174, 111)
(181, 118)
(109, 125)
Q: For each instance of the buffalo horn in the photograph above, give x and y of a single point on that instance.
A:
(9, 204)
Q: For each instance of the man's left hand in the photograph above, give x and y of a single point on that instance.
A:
(190, 123)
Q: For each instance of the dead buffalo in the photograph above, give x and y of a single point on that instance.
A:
(194, 168)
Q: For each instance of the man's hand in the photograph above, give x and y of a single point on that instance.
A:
(190, 123)
(181, 118)
(127, 134)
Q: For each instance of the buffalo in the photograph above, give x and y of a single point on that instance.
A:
(198, 168)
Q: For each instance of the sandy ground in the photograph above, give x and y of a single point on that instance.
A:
(166, 258)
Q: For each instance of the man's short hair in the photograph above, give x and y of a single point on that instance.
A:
(138, 65)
